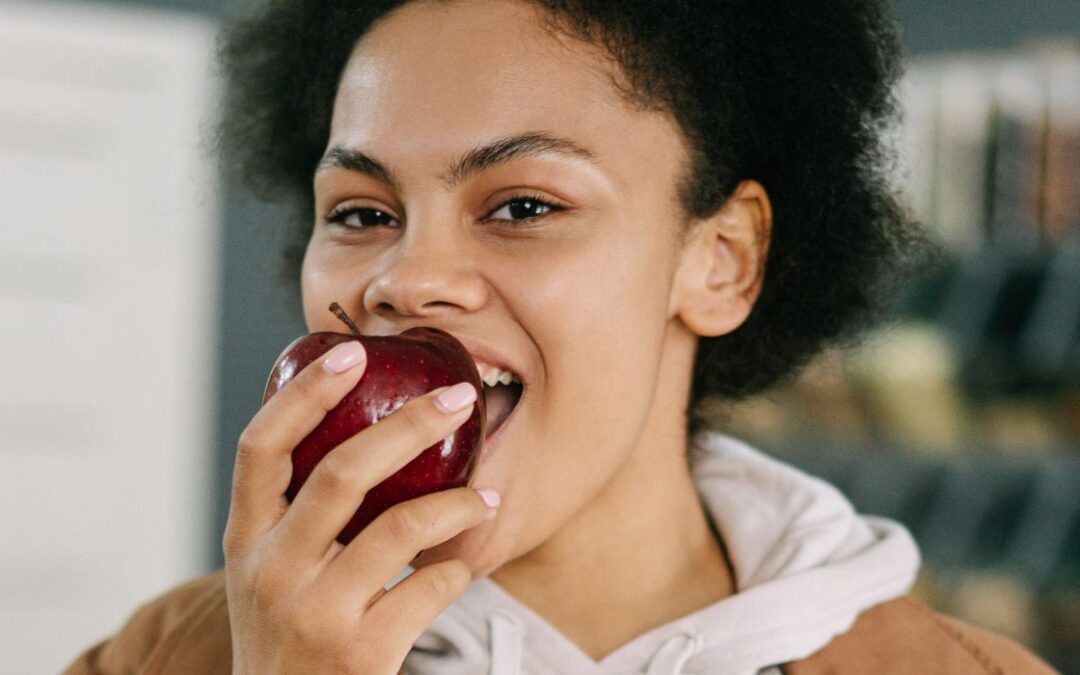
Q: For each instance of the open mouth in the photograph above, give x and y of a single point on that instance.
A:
(502, 392)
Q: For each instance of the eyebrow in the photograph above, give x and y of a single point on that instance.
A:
(529, 144)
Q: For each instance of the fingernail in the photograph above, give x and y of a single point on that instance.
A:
(344, 356)
(456, 397)
(490, 497)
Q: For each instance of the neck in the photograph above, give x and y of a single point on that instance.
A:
(639, 555)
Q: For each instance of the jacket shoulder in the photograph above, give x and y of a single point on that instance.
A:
(902, 637)
(164, 635)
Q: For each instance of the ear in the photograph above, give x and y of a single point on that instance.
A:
(722, 263)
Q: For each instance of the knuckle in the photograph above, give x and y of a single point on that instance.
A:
(448, 579)
(438, 585)
(304, 384)
(420, 419)
(333, 475)
(403, 525)
(247, 446)
(311, 385)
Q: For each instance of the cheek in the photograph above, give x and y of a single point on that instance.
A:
(578, 287)
(597, 314)
(597, 295)
(328, 276)
(315, 289)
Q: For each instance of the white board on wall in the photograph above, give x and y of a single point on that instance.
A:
(108, 302)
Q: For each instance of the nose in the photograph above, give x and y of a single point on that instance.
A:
(427, 273)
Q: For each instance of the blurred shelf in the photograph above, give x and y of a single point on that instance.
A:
(974, 510)
(1013, 317)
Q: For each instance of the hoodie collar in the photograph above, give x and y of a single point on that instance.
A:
(805, 564)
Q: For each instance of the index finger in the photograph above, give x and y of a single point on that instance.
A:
(263, 455)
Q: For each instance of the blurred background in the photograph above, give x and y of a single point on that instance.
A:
(143, 305)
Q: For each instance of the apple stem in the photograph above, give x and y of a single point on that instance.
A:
(340, 313)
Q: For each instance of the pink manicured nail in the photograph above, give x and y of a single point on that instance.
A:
(456, 397)
(490, 497)
(343, 357)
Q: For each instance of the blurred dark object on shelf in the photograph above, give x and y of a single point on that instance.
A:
(1014, 319)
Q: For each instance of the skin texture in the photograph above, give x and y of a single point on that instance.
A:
(597, 305)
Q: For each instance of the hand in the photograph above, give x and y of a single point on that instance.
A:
(298, 600)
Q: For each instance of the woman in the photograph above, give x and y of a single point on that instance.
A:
(630, 206)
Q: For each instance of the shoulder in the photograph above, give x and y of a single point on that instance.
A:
(902, 637)
(185, 628)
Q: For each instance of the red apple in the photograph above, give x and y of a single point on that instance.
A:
(399, 367)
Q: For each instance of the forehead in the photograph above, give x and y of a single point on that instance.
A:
(438, 77)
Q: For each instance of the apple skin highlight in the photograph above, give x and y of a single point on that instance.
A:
(399, 368)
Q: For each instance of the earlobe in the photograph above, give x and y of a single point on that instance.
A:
(722, 264)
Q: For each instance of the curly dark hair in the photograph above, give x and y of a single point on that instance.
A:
(797, 95)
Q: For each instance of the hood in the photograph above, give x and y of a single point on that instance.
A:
(805, 565)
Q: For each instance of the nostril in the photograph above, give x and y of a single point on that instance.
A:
(440, 304)
(426, 308)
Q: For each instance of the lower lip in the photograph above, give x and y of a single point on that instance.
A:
(490, 440)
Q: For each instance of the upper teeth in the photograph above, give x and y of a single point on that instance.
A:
(493, 376)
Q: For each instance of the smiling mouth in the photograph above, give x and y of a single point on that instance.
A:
(502, 392)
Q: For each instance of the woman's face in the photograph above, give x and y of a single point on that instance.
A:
(453, 126)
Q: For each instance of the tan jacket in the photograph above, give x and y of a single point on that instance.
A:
(186, 631)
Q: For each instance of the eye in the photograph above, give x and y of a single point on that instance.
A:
(524, 207)
(359, 217)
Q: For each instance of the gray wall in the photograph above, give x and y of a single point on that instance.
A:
(944, 25)
(259, 316)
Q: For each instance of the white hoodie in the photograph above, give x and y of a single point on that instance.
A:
(805, 566)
